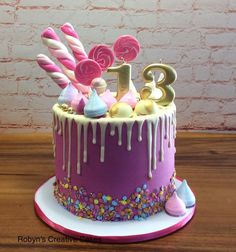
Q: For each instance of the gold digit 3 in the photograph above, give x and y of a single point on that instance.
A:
(170, 76)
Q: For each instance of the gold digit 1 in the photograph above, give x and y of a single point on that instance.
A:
(124, 78)
(170, 76)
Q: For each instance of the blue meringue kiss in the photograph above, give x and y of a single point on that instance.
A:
(67, 95)
(185, 193)
(95, 107)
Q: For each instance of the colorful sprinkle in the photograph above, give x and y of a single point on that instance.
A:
(98, 206)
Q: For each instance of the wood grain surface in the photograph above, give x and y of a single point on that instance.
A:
(208, 161)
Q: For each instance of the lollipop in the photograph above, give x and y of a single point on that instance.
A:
(87, 70)
(53, 70)
(126, 48)
(74, 42)
(103, 55)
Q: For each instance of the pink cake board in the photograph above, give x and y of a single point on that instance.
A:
(58, 218)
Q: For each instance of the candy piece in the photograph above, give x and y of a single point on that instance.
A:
(53, 70)
(73, 41)
(108, 98)
(121, 110)
(175, 206)
(78, 103)
(67, 95)
(146, 107)
(185, 193)
(129, 98)
(59, 50)
(87, 70)
(126, 48)
(95, 106)
(103, 55)
(99, 85)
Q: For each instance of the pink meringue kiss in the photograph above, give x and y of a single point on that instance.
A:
(78, 103)
(175, 206)
(126, 48)
(129, 98)
(87, 70)
(108, 98)
(103, 55)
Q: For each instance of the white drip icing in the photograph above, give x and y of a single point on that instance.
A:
(129, 134)
(169, 131)
(85, 154)
(103, 127)
(166, 118)
(78, 147)
(155, 124)
(140, 126)
(161, 157)
(69, 123)
(149, 139)
(63, 131)
(94, 129)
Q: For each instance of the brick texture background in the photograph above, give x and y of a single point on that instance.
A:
(197, 37)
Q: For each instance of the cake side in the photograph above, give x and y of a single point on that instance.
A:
(114, 169)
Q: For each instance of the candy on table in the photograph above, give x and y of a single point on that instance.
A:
(95, 107)
(108, 98)
(146, 107)
(175, 206)
(67, 95)
(78, 103)
(73, 41)
(121, 110)
(87, 70)
(126, 48)
(53, 70)
(99, 85)
(185, 193)
(103, 55)
(59, 51)
(129, 98)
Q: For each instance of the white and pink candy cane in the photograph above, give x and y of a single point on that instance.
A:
(59, 51)
(53, 70)
(73, 41)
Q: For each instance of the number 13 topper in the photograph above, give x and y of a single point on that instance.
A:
(170, 76)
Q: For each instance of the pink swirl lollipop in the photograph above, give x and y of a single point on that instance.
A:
(103, 55)
(87, 70)
(126, 48)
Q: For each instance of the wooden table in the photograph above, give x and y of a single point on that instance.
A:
(208, 161)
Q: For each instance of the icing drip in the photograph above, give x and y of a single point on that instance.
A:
(85, 127)
(94, 129)
(78, 147)
(119, 126)
(112, 132)
(129, 134)
(169, 124)
(140, 126)
(63, 122)
(161, 139)
(155, 124)
(149, 138)
(53, 135)
(69, 146)
(103, 127)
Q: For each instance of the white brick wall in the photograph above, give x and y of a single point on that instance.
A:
(198, 37)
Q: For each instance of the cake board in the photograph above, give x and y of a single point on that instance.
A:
(60, 219)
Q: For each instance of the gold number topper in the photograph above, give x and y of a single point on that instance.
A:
(170, 76)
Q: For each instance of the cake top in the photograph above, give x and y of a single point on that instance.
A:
(85, 92)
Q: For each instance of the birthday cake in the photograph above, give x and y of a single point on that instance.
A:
(114, 151)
